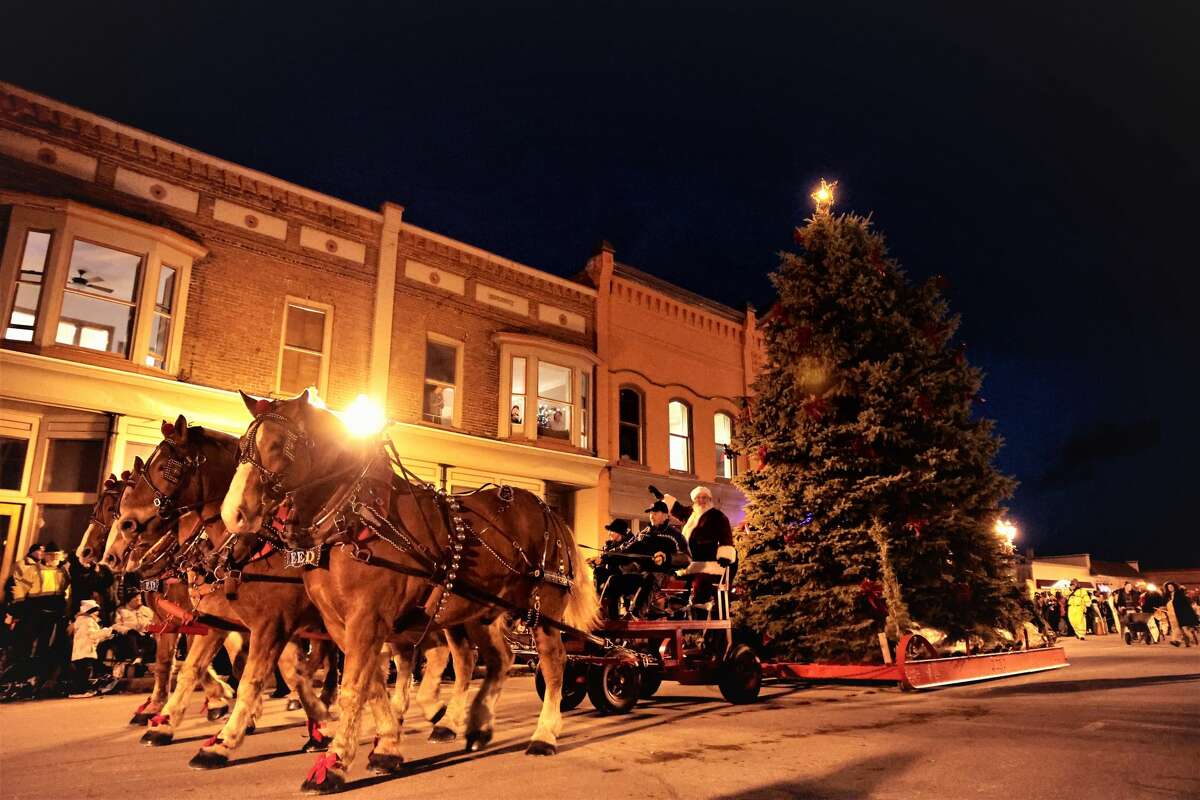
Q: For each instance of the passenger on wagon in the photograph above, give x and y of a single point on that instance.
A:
(710, 539)
(641, 564)
(603, 570)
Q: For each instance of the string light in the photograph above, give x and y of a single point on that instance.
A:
(823, 196)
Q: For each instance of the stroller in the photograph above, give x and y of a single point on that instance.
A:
(1136, 625)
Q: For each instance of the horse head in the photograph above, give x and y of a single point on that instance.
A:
(288, 461)
(104, 514)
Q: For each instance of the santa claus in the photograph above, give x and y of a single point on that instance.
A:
(708, 532)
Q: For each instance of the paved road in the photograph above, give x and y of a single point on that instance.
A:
(1121, 722)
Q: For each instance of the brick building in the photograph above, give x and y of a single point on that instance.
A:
(141, 279)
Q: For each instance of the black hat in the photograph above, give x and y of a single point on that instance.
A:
(53, 547)
(659, 505)
(618, 526)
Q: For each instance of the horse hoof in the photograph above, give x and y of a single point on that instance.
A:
(437, 717)
(251, 728)
(140, 718)
(215, 714)
(207, 759)
(385, 764)
(541, 749)
(442, 734)
(293, 705)
(315, 746)
(478, 740)
(156, 738)
(332, 784)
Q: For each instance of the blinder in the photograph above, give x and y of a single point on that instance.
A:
(248, 453)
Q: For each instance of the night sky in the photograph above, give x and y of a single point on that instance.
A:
(1046, 160)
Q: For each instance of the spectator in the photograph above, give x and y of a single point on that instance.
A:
(130, 639)
(1077, 604)
(88, 581)
(1182, 616)
(1054, 612)
(85, 662)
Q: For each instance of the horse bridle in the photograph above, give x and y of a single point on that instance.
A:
(174, 471)
(272, 480)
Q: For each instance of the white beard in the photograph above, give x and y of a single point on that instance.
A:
(692, 522)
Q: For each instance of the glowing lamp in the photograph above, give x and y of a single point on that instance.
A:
(1006, 530)
(314, 398)
(364, 417)
(823, 196)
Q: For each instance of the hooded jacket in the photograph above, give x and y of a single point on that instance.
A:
(88, 634)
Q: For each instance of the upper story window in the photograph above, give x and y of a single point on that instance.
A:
(550, 397)
(723, 439)
(304, 347)
(679, 424)
(85, 281)
(629, 438)
(441, 400)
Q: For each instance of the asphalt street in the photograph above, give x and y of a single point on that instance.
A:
(1120, 722)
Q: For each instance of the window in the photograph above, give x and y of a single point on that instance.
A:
(160, 327)
(516, 415)
(679, 420)
(554, 401)
(64, 525)
(723, 437)
(89, 285)
(629, 438)
(549, 397)
(23, 320)
(99, 298)
(302, 361)
(13, 452)
(441, 382)
(72, 465)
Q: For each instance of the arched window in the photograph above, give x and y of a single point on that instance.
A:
(723, 438)
(679, 420)
(629, 438)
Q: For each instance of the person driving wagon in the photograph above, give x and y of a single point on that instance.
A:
(640, 566)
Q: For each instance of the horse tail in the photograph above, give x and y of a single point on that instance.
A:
(582, 611)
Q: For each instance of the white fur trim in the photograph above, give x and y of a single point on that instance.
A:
(699, 490)
(670, 500)
(726, 551)
(704, 568)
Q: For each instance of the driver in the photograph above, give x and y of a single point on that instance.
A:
(642, 563)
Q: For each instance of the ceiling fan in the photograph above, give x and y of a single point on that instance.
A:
(90, 283)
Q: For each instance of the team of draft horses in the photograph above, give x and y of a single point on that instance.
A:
(298, 526)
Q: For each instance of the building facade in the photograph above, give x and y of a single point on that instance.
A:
(141, 279)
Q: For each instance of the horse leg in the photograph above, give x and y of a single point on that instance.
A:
(361, 644)
(161, 670)
(497, 657)
(297, 671)
(325, 650)
(266, 643)
(404, 658)
(437, 655)
(218, 693)
(552, 659)
(164, 724)
(385, 757)
(462, 653)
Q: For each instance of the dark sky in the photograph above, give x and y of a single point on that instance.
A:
(1045, 157)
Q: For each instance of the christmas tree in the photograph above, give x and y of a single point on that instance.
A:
(872, 491)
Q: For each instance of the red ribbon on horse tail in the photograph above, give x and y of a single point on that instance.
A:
(320, 769)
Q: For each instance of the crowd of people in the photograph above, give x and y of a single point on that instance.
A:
(1137, 612)
(67, 629)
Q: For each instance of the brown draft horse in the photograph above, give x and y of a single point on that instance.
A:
(217, 692)
(386, 551)
(249, 587)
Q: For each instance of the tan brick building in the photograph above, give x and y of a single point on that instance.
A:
(140, 279)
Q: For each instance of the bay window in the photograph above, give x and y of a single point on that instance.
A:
(550, 390)
(79, 281)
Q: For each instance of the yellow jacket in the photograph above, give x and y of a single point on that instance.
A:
(1079, 598)
(27, 579)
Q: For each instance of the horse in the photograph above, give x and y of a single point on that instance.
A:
(165, 668)
(250, 587)
(387, 550)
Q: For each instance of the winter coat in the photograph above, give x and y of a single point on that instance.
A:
(128, 619)
(27, 579)
(712, 538)
(88, 583)
(1183, 610)
(88, 634)
(1079, 599)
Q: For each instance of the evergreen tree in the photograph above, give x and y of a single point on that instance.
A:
(872, 492)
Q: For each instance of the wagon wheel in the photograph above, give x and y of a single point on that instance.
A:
(574, 686)
(613, 688)
(919, 648)
(740, 676)
(651, 680)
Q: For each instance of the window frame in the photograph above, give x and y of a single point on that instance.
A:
(326, 343)
(690, 437)
(67, 222)
(456, 418)
(536, 349)
(724, 459)
(640, 425)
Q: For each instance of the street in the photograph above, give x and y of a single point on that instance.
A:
(1120, 722)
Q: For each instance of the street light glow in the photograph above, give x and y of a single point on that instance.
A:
(1006, 530)
(364, 417)
(823, 196)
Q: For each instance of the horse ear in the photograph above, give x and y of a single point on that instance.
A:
(250, 401)
(138, 465)
(181, 429)
(303, 398)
